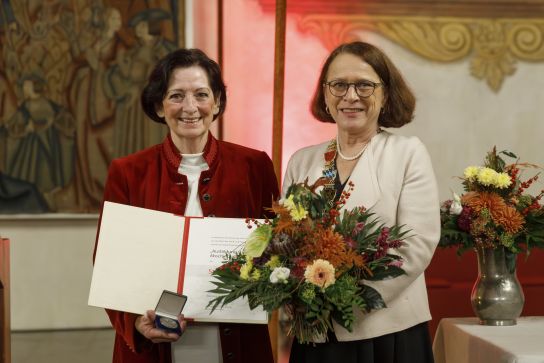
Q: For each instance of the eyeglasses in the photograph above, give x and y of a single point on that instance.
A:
(362, 88)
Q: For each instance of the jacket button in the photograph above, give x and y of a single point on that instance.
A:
(227, 331)
(206, 180)
(206, 197)
(230, 355)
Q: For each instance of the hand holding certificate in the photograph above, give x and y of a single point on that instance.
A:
(142, 252)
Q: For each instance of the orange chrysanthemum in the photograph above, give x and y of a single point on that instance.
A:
(478, 201)
(501, 213)
(509, 218)
(329, 245)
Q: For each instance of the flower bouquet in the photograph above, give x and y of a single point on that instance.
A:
(312, 260)
(495, 210)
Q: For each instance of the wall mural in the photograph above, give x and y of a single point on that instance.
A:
(71, 73)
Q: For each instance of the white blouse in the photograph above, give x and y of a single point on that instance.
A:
(191, 166)
(201, 342)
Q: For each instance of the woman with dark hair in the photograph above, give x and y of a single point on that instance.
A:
(361, 91)
(194, 174)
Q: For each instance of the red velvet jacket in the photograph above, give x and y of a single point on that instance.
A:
(240, 182)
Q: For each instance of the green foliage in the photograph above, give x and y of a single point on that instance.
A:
(373, 298)
(534, 227)
(451, 236)
(382, 272)
(314, 203)
(344, 295)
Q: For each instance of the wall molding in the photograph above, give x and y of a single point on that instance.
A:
(494, 46)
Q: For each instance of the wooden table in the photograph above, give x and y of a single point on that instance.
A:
(5, 342)
(463, 340)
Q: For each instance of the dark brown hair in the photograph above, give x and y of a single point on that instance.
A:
(157, 85)
(400, 101)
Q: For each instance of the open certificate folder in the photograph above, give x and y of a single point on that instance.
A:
(142, 252)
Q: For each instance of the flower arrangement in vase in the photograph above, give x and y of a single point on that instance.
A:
(498, 218)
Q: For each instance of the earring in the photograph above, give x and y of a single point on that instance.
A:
(327, 109)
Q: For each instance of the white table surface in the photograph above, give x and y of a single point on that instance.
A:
(463, 340)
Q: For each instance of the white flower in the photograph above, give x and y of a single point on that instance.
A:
(279, 274)
(456, 207)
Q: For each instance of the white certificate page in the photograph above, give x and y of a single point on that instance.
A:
(209, 240)
(139, 254)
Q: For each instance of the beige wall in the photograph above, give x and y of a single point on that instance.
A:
(51, 267)
(459, 118)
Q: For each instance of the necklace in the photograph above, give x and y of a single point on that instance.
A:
(349, 158)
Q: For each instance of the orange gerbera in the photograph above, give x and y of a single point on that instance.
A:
(320, 273)
(509, 218)
(480, 200)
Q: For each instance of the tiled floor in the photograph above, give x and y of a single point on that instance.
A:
(69, 346)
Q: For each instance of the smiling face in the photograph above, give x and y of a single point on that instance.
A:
(189, 108)
(353, 114)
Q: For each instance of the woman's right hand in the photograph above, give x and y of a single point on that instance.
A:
(145, 324)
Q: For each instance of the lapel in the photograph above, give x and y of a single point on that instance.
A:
(366, 190)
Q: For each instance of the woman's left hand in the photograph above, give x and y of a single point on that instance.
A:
(145, 324)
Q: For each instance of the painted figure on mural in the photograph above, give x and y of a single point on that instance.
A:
(19, 196)
(95, 112)
(8, 104)
(47, 50)
(132, 131)
(8, 75)
(16, 196)
(40, 140)
(12, 39)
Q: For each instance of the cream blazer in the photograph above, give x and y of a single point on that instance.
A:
(395, 179)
